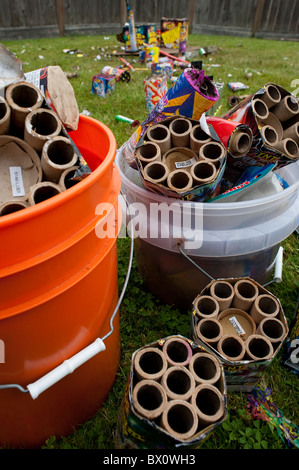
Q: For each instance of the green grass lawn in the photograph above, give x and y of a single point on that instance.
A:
(267, 61)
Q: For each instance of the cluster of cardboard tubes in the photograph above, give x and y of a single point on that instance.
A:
(177, 389)
(179, 155)
(278, 119)
(246, 308)
(23, 116)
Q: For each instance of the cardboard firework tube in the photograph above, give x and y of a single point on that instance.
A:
(65, 180)
(258, 348)
(5, 115)
(58, 155)
(286, 109)
(271, 96)
(292, 132)
(180, 181)
(40, 126)
(149, 399)
(178, 383)
(231, 347)
(212, 151)
(208, 402)
(273, 329)
(203, 172)
(198, 137)
(179, 419)
(42, 191)
(269, 135)
(160, 134)
(235, 136)
(209, 331)
(223, 292)
(245, 293)
(149, 363)
(288, 147)
(240, 143)
(206, 307)
(22, 97)
(177, 352)
(10, 207)
(180, 132)
(260, 109)
(156, 172)
(264, 306)
(148, 152)
(205, 368)
(273, 122)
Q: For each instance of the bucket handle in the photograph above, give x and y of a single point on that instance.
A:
(71, 364)
(277, 272)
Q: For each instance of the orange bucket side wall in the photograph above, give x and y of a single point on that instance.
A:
(54, 321)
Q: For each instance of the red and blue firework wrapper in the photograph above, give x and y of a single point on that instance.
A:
(192, 94)
(155, 88)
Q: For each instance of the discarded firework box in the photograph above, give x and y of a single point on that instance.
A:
(155, 87)
(272, 113)
(120, 74)
(103, 85)
(163, 67)
(191, 95)
(178, 158)
(243, 324)
(146, 33)
(174, 33)
(175, 396)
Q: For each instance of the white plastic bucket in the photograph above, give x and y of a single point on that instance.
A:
(225, 239)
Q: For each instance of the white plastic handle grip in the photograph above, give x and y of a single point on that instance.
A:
(66, 368)
(278, 265)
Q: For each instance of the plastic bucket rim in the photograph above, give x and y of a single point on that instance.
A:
(214, 206)
(59, 199)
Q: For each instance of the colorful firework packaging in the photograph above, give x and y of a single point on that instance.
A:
(155, 88)
(103, 85)
(261, 406)
(191, 95)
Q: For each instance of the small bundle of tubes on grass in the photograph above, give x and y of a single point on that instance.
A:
(177, 389)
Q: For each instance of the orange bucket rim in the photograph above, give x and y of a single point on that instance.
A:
(44, 206)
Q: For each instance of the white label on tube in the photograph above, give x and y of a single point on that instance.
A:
(185, 164)
(237, 326)
(16, 179)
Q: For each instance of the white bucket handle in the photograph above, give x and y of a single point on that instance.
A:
(66, 368)
(71, 364)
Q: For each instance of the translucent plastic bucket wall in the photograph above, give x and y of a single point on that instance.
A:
(235, 239)
(58, 290)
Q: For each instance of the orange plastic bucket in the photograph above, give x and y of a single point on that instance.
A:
(59, 289)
